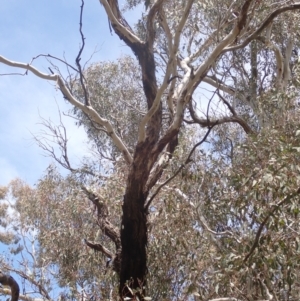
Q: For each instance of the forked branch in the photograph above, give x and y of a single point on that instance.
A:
(206, 122)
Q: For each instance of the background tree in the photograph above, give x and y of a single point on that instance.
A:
(141, 116)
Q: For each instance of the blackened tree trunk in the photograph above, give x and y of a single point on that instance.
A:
(134, 241)
(134, 226)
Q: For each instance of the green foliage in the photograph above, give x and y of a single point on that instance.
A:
(228, 223)
(108, 82)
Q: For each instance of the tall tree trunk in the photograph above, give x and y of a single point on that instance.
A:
(134, 241)
(134, 227)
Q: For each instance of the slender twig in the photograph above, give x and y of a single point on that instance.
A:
(42, 290)
(55, 58)
(231, 109)
(78, 58)
(5, 74)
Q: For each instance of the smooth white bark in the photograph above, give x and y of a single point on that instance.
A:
(124, 30)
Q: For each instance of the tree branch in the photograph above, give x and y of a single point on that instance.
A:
(6, 291)
(99, 247)
(219, 49)
(193, 80)
(206, 122)
(40, 287)
(120, 26)
(12, 283)
(150, 22)
(102, 212)
(78, 58)
(262, 225)
(267, 21)
(215, 82)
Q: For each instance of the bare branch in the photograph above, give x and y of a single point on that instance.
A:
(57, 135)
(78, 58)
(55, 58)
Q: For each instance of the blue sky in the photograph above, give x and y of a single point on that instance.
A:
(29, 28)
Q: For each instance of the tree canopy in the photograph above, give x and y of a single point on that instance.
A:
(192, 189)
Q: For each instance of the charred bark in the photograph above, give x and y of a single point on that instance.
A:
(134, 228)
(134, 242)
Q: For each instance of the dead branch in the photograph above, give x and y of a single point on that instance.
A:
(102, 213)
(78, 58)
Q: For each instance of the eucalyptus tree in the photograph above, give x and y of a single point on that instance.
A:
(245, 50)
